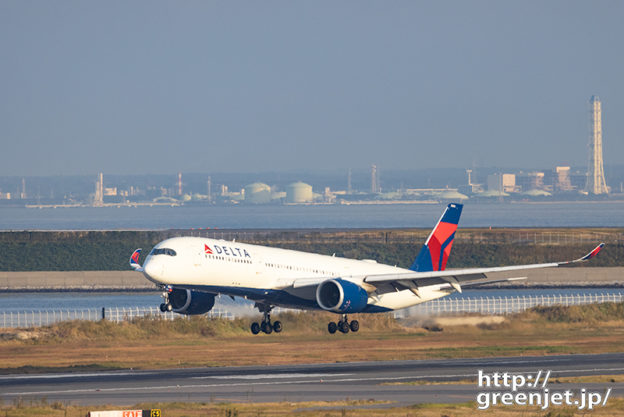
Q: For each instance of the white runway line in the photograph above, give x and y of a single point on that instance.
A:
(77, 375)
(267, 376)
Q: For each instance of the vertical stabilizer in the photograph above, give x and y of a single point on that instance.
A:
(437, 247)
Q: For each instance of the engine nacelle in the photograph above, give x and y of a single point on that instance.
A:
(341, 296)
(191, 302)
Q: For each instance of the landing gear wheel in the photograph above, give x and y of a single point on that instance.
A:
(332, 327)
(277, 326)
(163, 307)
(355, 326)
(343, 326)
(266, 327)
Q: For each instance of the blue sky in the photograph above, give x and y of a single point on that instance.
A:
(206, 86)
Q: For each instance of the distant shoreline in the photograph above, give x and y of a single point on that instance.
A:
(476, 202)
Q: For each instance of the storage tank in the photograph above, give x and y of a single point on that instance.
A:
(299, 192)
(257, 193)
(452, 195)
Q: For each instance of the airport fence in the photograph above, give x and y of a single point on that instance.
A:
(503, 305)
(482, 305)
(35, 318)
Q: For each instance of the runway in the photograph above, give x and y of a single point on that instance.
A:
(379, 381)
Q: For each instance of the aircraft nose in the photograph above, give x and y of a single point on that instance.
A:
(153, 270)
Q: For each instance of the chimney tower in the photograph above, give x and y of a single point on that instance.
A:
(98, 200)
(596, 183)
(374, 180)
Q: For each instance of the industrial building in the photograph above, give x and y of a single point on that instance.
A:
(530, 181)
(298, 193)
(502, 183)
(257, 193)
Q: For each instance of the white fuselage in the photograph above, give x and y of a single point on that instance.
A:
(258, 272)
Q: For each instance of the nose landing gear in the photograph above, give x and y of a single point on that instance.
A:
(166, 305)
(343, 325)
(266, 326)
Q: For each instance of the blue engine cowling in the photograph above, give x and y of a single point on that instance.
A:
(191, 302)
(341, 296)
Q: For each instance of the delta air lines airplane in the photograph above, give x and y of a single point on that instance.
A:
(193, 270)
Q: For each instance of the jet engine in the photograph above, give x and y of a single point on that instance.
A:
(190, 302)
(341, 296)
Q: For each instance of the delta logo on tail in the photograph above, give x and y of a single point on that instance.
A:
(434, 254)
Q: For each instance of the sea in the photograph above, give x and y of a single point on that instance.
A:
(503, 214)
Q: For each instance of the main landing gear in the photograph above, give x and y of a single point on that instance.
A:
(343, 325)
(266, 326)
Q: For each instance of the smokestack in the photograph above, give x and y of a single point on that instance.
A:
(596, 183)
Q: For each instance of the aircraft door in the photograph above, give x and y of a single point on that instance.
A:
(198, 259)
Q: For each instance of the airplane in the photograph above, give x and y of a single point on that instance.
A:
(194, 270)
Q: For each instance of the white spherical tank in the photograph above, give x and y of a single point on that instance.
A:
(257, 193)
(299, 192)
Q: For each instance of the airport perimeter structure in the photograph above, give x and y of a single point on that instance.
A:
(133, 281)
(442, 306)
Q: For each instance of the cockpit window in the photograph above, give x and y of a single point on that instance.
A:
(163, 251)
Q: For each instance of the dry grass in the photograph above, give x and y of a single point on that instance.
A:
(149, 343)
(615, 407)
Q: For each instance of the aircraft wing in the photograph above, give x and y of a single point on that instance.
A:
(455, 277)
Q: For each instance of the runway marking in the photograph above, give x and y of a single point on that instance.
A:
(508, 362)
(328, 381)
(234, 384)
(58, 376)
(488, 363)
(588, 370)
(267, 376)
(168, 387)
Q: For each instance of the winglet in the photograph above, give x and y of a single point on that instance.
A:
(587, 257)
(134, 260)
(593, 253)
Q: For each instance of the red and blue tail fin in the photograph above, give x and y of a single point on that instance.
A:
(134, 261)
(437, 247)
